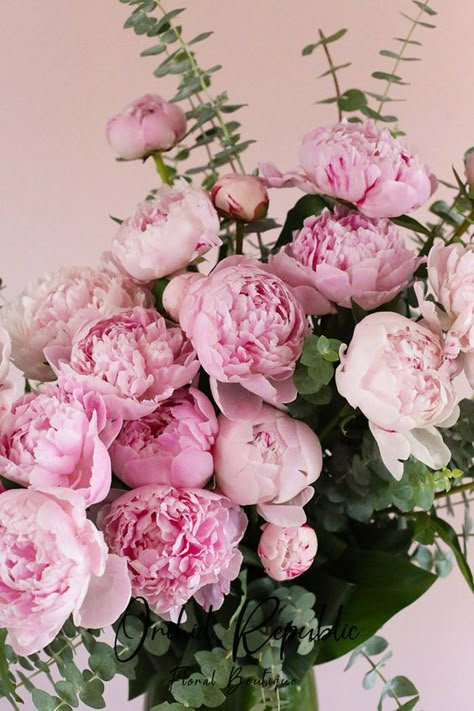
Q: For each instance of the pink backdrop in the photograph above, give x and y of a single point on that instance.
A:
(65, 67)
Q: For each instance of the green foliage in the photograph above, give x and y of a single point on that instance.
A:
(397, 688)
(307, 206)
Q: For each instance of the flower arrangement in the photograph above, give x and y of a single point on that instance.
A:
(224, 405)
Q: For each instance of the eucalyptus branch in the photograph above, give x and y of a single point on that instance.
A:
(333, 71)
(455, 490)
(381, 676)
(407, 40)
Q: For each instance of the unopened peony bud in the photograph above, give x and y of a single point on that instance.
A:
(287, 552)
(146, 125)
(176, 290)
(469, 166)
(240, 197)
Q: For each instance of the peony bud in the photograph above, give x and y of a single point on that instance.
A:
(469, 166)
(176, 290)
(240, 197)
(287, 552)
(146, 125)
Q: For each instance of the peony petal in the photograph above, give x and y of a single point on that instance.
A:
(234, 401)
(107, 596)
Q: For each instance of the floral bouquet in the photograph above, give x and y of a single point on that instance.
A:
(224, 405)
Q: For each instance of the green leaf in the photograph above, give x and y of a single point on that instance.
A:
(392, 78)
(306, 206)
(321, 373)
(410, 224)
(309, 49)
(399, 57)
(152, 51)
(352, 100)
(383, 584)
(164, 23)
(333, 70)
(200, 38)
(418, 22)
(66, 692)
(189, 694)
(426, 8)
(4, 670)
(367, 111)
(375, 645)
(166, 706)
(44, 701)
(404, 40)
(448, 535)
(102, 662)
(92, 691)
(329, 348)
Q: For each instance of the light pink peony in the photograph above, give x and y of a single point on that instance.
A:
(134, 359)
(147, 125)
(270, 460)
(171, 446)
(451, 281)
(7, 387)
(248, 330)
(178, 544)
(344, 255)
(53, 307)
(54, 562)
(59, 436)
(240, 197)
(176, 290)
(167, 233)
(287, 552)
(361, 164)
(396, 372)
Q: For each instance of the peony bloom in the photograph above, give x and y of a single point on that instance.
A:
(145, 126)
(396, 372)
(52, 308)
(287, 552)
(167, 233)
(7, 387)
(248, 330)
(59, 436)
(270, 460)
(171, 446)
(54, 562)
(343, 256)
(176, 290)
(178, 543)
(451, 280)
(362, 164)
(134, 359)
(240, 197)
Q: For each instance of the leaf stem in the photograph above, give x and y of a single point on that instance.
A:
(161, 168)
(343, 412)
(332, 68)
(239, 237)
(382, 677)
(400, 55)
(455, 490)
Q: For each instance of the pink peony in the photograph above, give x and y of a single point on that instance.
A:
(147, 125)
(54, 562)
(240, 197)
(287, 552)
(167, 233)
(135, 359)
(172, 446)
(270, 460)
(176, 290)
(59, 436)
(343, 255)
(395, 371)
(451, 281)
(52, 308)
(178, 544)
(248, 330)
(361, 164)
(7, 387)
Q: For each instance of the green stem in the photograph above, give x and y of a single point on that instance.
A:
(463, 227)
(343, 412)
(455, 490)
(382, 677)
(400, 56)
(239, 237)
(161, 168)
(332, 68)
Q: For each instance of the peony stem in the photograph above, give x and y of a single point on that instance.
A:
(161, 169)
(239, 237)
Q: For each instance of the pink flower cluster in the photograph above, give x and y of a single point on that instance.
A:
(190, 412)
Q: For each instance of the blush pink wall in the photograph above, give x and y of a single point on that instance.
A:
(65, 67)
